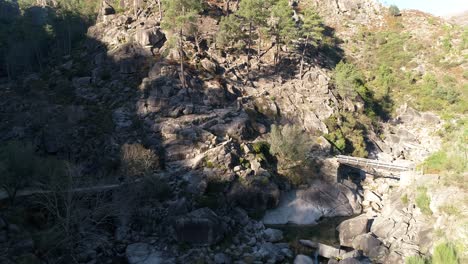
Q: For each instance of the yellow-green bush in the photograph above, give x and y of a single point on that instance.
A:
(445, 253)
(423, 200)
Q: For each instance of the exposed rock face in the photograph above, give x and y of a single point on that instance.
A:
(355, 11)
(352, 228)
(200, 227)
(149, 36)
(309, 205)
(411, 136)
(308, 101)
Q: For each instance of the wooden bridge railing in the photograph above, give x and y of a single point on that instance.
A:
(361, 162)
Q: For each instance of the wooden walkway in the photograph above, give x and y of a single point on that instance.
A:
(376, 164)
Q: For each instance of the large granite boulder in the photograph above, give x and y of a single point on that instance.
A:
(303, 259)
(350, 229)
(200, 227)
(142, 253)
(308, 205)
(366, 242)
(149, 37)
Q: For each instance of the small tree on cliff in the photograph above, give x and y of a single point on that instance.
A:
(394, 10)
(311, 32)
(179, 16)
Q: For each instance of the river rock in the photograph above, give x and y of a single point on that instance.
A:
(303, 259)
(366, 243)
(273, 235)
(269, 252)
(200, 227)
(323, 250)
(351, 228)
(142, 253)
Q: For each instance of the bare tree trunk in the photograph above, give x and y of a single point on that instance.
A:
(38, 57)
(277, 50)
(259, 47)
(135, 7)
(181, 55)
(248, 48)
(198, 40)
(303, 55)
(160, 10)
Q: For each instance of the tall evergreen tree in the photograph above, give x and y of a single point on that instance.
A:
(311, 32)
(180, 15)
(230, 31)
(281, 25)
(255, 13)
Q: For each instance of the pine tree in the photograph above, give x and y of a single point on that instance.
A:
(311, 32)
(180, 15)
(230, 31)
(281, 24)
(255, 13)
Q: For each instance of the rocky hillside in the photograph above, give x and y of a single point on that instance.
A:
(460, 19)
(152, 141)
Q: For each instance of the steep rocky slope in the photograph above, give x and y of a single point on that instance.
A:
(212, 177)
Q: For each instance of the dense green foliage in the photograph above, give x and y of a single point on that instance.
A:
(348, 129)
(452, 160)
(291, 146)
(257, 20)
(423, 200)
(281, 25)
(415, 260)
(229, 34)
(347, 133)
(445, 253)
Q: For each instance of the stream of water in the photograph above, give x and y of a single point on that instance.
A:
(324, 232)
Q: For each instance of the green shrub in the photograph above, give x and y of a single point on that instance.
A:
(445, 253)
(415, 260)
(347, 134)
(436, 162)
(394, 10)
(291, 145)
(347, 78)
(262, 150)
(423, 201)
